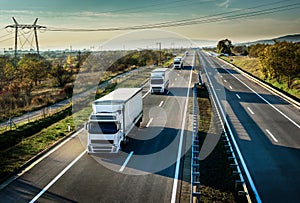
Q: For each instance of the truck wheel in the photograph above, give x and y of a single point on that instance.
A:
(138, 123)
(122, 145)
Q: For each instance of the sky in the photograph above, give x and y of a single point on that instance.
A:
(208, 20)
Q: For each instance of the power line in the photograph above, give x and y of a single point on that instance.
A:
(148, 5)
(200, 20)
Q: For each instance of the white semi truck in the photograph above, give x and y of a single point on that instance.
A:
(159, 80)
(177, 63)
(113, 117)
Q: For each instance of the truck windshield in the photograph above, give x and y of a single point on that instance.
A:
(103, 127)
(157, 81)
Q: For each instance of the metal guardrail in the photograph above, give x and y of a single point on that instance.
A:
(235, 157)
(195, 158)
(240, 185)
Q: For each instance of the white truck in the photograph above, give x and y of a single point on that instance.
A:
(159, 81)
(177, 63)
(113, 117)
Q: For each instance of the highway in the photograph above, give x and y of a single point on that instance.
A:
(148, 170)
(265, 127)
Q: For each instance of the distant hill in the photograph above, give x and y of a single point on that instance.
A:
(287, 38)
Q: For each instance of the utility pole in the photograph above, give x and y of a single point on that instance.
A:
(159, 48)
(18, 26)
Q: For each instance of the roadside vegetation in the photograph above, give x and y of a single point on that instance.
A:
(21, 144)
(33, 81)
(277, 64)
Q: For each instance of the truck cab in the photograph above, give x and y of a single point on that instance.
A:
(159, 80)
(113, 116)
(177, 63)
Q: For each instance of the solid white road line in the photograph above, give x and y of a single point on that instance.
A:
(148, 124)
(10, 180)
(161, 103)
(257, 197)
(57, 177)
(265, 100)
(238, 96)
(175, 183)
(126, 161)
(250, 110)
(272, 136)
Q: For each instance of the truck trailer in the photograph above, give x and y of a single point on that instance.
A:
(113, 117)
(159, 80)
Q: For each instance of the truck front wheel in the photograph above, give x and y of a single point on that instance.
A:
(122, 145)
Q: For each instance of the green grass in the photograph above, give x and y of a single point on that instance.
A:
(138, 79)
(26, 147)
(14, 157)
(251, 65)
(10, 138)
(217, 180)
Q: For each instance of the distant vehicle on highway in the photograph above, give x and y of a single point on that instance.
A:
(177, 63)
(159, 81)
(113, 117)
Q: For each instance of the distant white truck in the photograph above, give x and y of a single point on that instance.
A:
(159, 81)
(113, 117)
(177, 63)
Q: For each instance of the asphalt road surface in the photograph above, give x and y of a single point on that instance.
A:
(146, 171)
(266, 128)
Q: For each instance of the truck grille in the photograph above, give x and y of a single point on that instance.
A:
(104, 142)
(156, 89)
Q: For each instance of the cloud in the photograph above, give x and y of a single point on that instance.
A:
(224, 4)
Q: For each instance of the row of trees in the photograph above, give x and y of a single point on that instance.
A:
(18, 79)
(29, 80)
(279, 61)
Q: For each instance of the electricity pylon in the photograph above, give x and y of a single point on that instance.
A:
(18, 26)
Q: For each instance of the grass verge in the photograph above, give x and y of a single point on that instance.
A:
(35, 137)
(251, 66)
(217, 181)
(13, 158)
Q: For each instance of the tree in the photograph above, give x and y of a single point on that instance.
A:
(255, 50)
(61, 74)
(33, 67)
(224, 46)
(242, 50)
(280, 60)
(5, 65)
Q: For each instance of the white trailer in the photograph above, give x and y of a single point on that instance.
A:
(177, 64)
(159, 80)
(113, 117)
